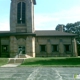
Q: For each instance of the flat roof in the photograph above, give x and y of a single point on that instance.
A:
(52, 33)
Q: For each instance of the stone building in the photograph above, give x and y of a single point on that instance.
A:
(23, 41)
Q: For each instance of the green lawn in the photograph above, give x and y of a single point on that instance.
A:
(3, 61)
(58, 61)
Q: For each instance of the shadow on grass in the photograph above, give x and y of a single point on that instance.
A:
(45, 61)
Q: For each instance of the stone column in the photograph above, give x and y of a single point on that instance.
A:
(74, 48)
(61, 49)
(49, 49)
(13, 46)
(13, 15)
(30, 46)
(30, 16)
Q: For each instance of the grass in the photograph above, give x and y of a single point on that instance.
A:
(58, 61)
(3, 61)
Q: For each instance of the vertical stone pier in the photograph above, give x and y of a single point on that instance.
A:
(61, 48)
(74, 48)
(48, 48)
(13, 46)
(30, 46)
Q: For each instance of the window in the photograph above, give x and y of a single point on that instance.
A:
(4, 48)
(42, 48)
(54, 48)
(67, 48)
(21, 10)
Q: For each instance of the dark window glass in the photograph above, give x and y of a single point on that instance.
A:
(67, 47)
(42, 48)
(21, 13)
(4, 48)
(54, 48)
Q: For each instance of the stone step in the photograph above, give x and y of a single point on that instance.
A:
(19, 60)
(12, 61)
(22, 56)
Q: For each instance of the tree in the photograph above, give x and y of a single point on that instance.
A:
(72, 28)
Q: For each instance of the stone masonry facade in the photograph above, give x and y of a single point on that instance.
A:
(32, 46)
(50, 41)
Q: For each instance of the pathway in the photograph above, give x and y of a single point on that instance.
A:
(14, 62)
(11, 65)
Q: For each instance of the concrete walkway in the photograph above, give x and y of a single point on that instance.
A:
(14, 62)
(11, 65)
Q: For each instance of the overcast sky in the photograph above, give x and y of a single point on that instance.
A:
(48, 13)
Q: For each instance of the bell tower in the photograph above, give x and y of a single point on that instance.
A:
(22, 16)
(22, 27)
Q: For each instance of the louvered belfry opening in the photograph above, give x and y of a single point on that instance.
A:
(21, 12)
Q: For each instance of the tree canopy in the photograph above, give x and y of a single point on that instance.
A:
(72, 28)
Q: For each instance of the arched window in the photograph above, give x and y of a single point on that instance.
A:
(21, 10)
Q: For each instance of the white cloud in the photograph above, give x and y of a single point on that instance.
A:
(50, 20)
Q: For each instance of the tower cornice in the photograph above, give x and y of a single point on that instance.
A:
(34, 1)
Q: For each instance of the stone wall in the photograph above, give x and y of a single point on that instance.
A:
(60, 41)
(32, 45)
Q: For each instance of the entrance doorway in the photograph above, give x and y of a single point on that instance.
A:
(21, 49)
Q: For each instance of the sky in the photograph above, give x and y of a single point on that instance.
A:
(47, 13)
